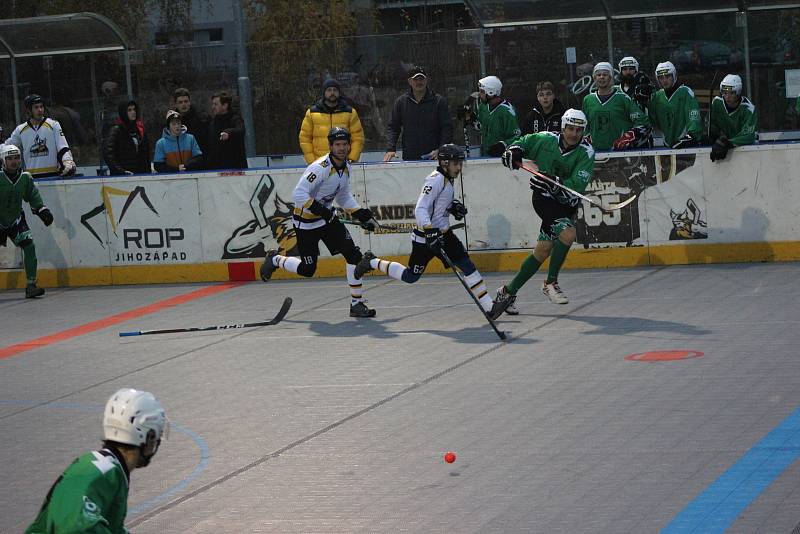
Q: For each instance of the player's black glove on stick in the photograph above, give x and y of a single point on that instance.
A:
(433, 238)
(366, 218)
(318, 209)
(457, 210)
(45, 215)
(544, 186)
(512, 157)
(496, 150)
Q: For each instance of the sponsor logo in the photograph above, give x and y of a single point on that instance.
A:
(151, 244)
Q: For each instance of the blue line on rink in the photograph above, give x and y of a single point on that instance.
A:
(715, 510)
(205, 452)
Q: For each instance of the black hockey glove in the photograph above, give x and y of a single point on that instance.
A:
(543, 186)
(457, 210)
(720, 148)
(687, 141)
(496, 150)
(45, 215)
(327, 214)
(642, 93)
(433, 238)
(512, 157)
(366, 218)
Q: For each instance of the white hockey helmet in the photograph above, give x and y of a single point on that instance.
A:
(135, 418)
(667, 68)
(7, 150)
(491, 85)
(574, 117)
(629, 61)
(603, 65)
(731, 82)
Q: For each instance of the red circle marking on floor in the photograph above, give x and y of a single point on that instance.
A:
(664, 355)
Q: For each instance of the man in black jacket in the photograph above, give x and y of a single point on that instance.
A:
(196, 122)
(225, 135)
(127, 148)
(423, 118)
(546, 113)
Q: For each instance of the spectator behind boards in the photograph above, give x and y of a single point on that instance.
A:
(422, 118)
(225, 135)
(177, 150)
(194, 120)
(91, 495)
(330, 111)
(127, 149)
(45, 151)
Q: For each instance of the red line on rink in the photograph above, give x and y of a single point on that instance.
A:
(13, 350)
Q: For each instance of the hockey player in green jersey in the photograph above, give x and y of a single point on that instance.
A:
(496, 118)
(17, 186)
(674, 109)
(569, 160)
(92, 494)
(615, 120)
(733, 120)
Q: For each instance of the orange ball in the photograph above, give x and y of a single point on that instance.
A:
(450, 457)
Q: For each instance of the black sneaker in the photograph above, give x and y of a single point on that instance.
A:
(503, 293)
(33, 291)
(268, 267)
(359, 309)
(499, 304)
(363, 266)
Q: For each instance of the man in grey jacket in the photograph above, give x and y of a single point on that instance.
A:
(423, 119)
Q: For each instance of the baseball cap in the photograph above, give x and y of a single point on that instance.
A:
(417, 71)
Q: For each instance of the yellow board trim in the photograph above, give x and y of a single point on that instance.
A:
(579, 258)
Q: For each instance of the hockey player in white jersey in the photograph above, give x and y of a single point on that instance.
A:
(435, 204)
(45, 151)
(315, 220)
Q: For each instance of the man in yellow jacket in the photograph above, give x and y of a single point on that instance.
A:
(330, 111)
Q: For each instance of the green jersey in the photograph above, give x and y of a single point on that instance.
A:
(739, 125)
(91, 496)
(13, 193)
(574, 166)
(676, 115)
(610, 119)
(498, 124)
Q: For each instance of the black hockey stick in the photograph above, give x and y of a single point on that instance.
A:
(287, 303)
(393, 228)
(545, 178)
(500, 334)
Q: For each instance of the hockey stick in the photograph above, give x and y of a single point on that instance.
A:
(287, 303)
(393, 228)
(545, 178)
(500, 334)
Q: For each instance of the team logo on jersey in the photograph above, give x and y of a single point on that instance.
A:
(248, 240)
(39, 148)
(90, 509)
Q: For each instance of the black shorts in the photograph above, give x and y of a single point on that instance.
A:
(421, 254)
(18, 231)
(336, 238)
(555, 216)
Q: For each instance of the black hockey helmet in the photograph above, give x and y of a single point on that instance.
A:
(338, 132)
(451, 152)
(32, 99)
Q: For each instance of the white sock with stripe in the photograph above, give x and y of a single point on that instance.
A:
(478, 288)
(356, 288)
(287, 263)
(392, 268)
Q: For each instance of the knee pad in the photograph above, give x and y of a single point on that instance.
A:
(409, 277)
(25, 243)
(307, 269)
(466, 266)
(352, 256)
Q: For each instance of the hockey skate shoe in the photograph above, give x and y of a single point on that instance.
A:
(359, 309)
(502, 293)
(554, 293)
(33, 291)
(363, 266)
(268, 267)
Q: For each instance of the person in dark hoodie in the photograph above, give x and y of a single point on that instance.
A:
(177, 150)
(127, 148)
(422, 117)
(195, 121)
(546, 113)
(225, 146)
(330, 111)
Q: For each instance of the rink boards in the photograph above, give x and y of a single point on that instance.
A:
(217, 226)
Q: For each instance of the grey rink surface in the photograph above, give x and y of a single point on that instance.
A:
(331, 424)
